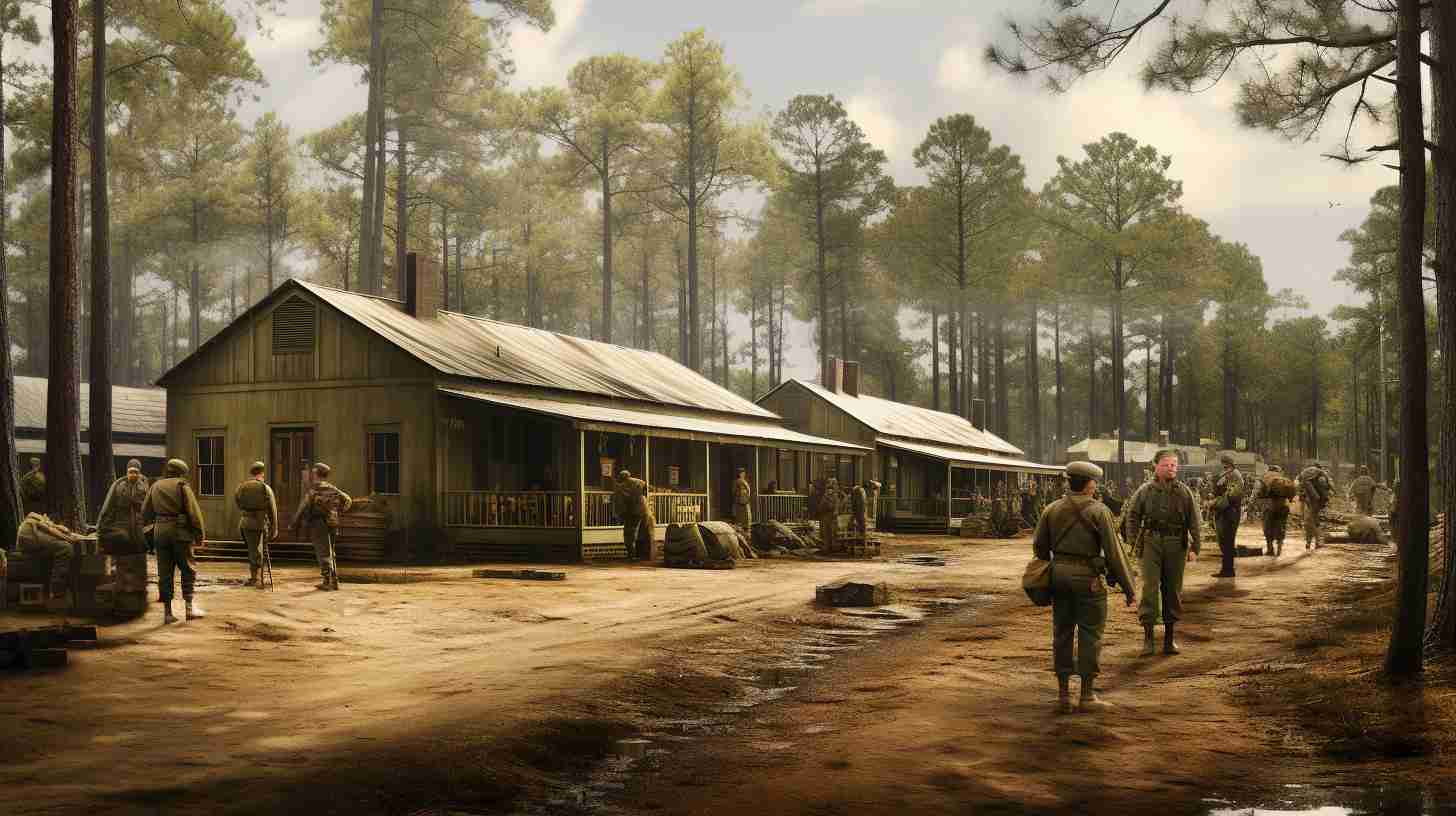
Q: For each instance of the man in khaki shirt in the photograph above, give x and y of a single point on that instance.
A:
(172, 507)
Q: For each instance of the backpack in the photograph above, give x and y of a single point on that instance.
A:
(1316, 485)
(253, 496)
(1279, 486)
(324, 507)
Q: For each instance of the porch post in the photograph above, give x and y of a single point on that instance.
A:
(756, 500)
(581, 480)
(949, 497)
(708, 481)
(647, 475)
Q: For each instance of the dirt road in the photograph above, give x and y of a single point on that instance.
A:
(468, 695)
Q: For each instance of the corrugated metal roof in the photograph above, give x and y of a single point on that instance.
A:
(133, 410)
(1105, 450)
(976, 460)
(913, 422)
(458, 345)
(132, 449)
(588, 412)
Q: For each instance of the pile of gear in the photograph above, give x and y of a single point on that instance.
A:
(54, 568)
(705, 545)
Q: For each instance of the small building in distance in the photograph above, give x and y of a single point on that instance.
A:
(482, 438)
(935, 468)
(138, 425)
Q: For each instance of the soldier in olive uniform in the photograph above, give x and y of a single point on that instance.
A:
(172, 507)
(1164, 520)
(120, 523)
(638, 525)
(320, 510)
(258, 521)
(1314, 493)
(1362, 492)
(1276, 513)
(1076, 534)
(742, 501)
(1228, 510)
(874, 501)
(829, 514)
(859, 519)
(1030, 504)
(33, 488)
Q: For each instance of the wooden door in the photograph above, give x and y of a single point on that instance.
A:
(290, 457)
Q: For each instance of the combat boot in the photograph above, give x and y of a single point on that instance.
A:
(1064, 694)
(1089, 700)
(334, 582)
(252, 577)
(194, 612)
(167, 616)
(1150, 647)
(324, 584)
(1170, 646)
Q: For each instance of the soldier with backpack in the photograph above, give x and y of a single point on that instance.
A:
(320, 510)
(172, 506)
(259, 521)
(1276, 490)
(1315, 489)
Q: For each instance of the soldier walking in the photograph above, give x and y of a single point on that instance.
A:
(1314, 489)
(1276, 511)
(874, 501)
(1228, 511)
(1362, 492)
(320, 510)
(1076, 534)
(742, 501)
(120, 524)
(33, 488)
(1030, 504)
(172, 507)
(638, 525)
(828, 511)
(1164, 519)
(259, 520)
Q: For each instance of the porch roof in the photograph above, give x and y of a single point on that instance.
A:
(963, 458)
(128, 449)
(663, 420)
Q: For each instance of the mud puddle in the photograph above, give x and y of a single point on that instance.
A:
(1308, 800)
(763, 678)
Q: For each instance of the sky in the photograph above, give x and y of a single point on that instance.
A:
(900, 64)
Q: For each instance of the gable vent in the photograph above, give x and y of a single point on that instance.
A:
(294, 324)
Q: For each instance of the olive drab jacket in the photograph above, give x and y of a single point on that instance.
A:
(1083, 527)
(33, 487)
(122, 508)
(1362, 487)
(164, 505)
(742, 493)
(1314, 486)
(259, 507)
(322, 505)
(1228, 490)
(629, 498)
(1166, 509)
(858, 500)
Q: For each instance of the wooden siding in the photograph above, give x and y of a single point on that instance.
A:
(805, 412)
(340, 418)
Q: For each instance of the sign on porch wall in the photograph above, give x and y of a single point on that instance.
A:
(608, 467)
(674, 475)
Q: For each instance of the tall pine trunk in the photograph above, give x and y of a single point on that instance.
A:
(10, 503)
(368, 280)
(1407, 637)
(1443, 87)
(606, 240)
(934, 358)
(64, 482)
(401, 209)
(101, 336)
(1033, 384)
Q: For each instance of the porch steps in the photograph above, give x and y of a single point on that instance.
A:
(279, 551)
(916, 526)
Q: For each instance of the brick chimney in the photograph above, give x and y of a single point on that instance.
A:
(850, 380)
(834, 377)
(421, 286)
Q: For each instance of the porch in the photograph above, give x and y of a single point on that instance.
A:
(929, 489)
(526, 478)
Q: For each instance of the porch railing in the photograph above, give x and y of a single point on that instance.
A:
(962, 506)
(510, 508)
(600, 511)
(679, 508)
(891, 506)
(783, 507)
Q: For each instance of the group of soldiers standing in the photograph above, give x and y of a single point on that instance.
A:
(165, 516)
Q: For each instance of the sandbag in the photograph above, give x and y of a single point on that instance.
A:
(1280, 486)
(720, 539)
(770, 535)
(684, 542)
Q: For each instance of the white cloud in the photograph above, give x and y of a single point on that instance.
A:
(871, 111)
(847, 8)
(958, 70)
(545, 57)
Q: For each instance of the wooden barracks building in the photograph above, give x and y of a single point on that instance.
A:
(930, 463)
(499, 439)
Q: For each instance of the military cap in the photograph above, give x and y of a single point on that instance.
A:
(1084, 469)
(1364, 469)
(322, 469)
(177, 467)
(34, 460)
(624, 473)
(257, 467)
(1227, 459)
(133, 464)
(1275, 469)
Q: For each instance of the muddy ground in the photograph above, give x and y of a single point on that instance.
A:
(629, 689)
